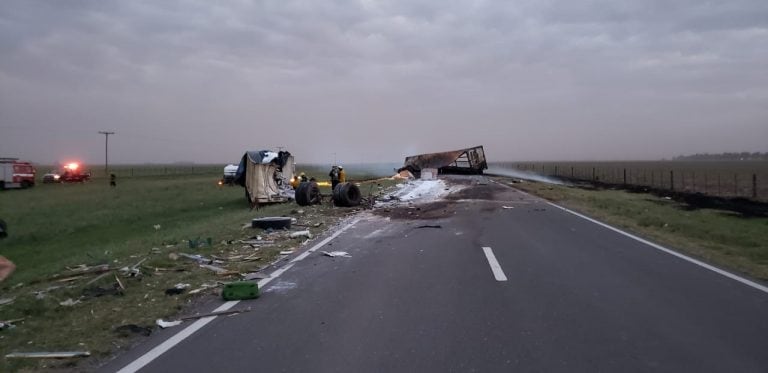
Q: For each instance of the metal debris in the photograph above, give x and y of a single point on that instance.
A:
(48, 355)
(334, 254)
(301, 234)
(127, 330)
(167, 324)
(429, 226)
(69, 302)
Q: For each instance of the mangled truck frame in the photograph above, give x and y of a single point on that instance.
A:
(462, 161)
(266, 176)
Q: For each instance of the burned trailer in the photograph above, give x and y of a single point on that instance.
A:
(266, 176)
(463, 161)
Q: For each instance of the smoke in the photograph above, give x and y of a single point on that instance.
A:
(525, 175)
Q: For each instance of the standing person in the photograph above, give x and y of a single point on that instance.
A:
(342, 175)
(334, 174)
(112, 180)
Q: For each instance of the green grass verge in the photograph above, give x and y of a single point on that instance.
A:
(55, 226)
(723, 238)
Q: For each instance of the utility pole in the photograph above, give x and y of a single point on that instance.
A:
(106, 151)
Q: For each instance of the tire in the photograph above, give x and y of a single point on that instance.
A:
(25, 184)
(337, 194)
(271, 222)
(307, 194)
(347, 195)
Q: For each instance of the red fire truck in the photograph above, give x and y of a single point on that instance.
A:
(16, 174)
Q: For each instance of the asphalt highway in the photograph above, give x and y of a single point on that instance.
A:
(493, 280)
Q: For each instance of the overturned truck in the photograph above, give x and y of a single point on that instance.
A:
(266, 176)
(462, 161)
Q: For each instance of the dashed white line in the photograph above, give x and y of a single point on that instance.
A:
(498, 273)
(197, 325)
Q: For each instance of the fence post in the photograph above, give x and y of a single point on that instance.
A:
(694, 182)
(705, 183)
(571, 172)
(671, 180)
(754, 186)
(625, 177)
(735, 185)
(719, 190)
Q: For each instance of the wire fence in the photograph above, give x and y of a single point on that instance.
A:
(722, 179)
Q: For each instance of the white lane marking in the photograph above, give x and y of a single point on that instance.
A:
(498, 273)
(325, 241)
(197, 325)
(697, 262)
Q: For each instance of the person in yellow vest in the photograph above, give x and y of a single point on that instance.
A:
(296, 180)
(342, 175)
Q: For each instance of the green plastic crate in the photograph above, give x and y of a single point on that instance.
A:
(240, 290)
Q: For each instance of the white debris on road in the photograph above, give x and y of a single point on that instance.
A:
(420, 191)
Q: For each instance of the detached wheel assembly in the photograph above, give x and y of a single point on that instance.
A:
(271, 222)
(307, 193)
(347, 195)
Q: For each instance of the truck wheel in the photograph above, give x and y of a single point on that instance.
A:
(347, 195)
(25, 184)
(336, 196)
(271, 222)
(307, 194)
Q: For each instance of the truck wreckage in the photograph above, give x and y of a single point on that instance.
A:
(462, 161)
(265, 175)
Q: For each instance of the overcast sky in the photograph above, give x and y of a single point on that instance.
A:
(372, 81)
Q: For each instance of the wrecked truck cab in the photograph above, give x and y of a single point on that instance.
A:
(266, 176)
(463, 161)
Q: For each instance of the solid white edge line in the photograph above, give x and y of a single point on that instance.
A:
(498, 273)
(697, 262)
(162, 348)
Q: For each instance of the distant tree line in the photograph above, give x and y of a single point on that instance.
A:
(743, 156)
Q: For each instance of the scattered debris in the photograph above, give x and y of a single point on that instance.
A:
(286, 252)
(5, 301)
(156, 226)
(255, 276)
(98, 291)
(273, 222)
(218, 270)
(204, 287)
(127, 330)
(167, 324)
(97, 278)
(69, 302)
(119, 283)
(214, 314)
(334, 254)
(429, 226)
(507, 207)
(48, 355)
(301, 234)
(178, 289)
(9, 324)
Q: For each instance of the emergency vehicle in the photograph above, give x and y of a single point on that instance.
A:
(16, 174)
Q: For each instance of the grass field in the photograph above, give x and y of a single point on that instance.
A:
(747, 179)
(146, 221)
(725, 238)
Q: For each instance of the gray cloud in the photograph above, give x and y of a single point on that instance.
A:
(374, 81)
